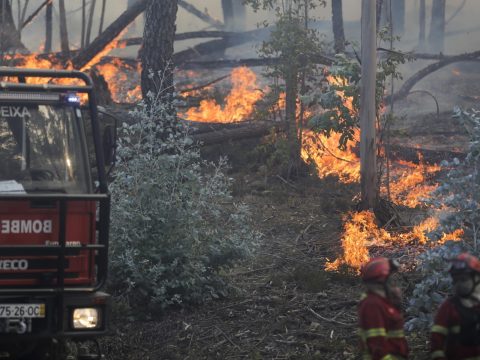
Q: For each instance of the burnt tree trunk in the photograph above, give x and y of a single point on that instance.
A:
(9, 35)
(337, 22)
(157, 50)
(48, 28)
(93, 3)
(436, 37)
(63, 28)
(397, 9)
(234, 15)
(422, 26)
(379, 11)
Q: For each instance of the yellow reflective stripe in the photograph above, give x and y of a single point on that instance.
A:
(388, 357)
(440, 329)
(438, 354)
(373, 332)
(395, 334)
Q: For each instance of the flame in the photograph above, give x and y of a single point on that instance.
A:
(410, 182)
(112, 45)
(238, 105)
(456, 72)
(360, 231)
(328, 159)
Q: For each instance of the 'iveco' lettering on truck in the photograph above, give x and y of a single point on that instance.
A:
(26, 227)
(21, 264)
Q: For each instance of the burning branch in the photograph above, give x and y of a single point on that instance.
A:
(110, 33)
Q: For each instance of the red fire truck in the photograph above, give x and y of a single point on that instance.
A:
(54, 216)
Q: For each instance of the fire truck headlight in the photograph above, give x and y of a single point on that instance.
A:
(85, 318)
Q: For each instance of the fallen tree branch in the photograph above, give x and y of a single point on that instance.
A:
(238, 132)
(410, 83)
(212, 46)
(433, 96)
(35, 13)
(110, 33)
(215, 64)
(200, 87)
(200, 14)
(182, 36)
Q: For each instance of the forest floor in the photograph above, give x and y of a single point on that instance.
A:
(285, 305)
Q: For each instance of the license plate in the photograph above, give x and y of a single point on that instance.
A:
(22, 311)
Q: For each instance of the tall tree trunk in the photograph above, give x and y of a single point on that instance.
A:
(436, 37)
(234, 15)
(291, 95)
(157, 50)
(93, 3)
(9, 35)
(380, 9)
(84, 23)
(421, 21)
(368, 146)
(48, 28)
(397, 11)
(63, 28)
(102, 16)
(337, 21)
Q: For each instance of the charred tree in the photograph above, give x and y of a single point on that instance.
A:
(63, 28)
(48, 27)
(421, 21)
(110, 33)
(436, 37)
(157, 50)
(234, 15)
(9, 34)
(379, 11)
(396, 10)
(93, 3)
(337, 22)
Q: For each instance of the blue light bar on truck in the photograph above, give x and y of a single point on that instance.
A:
(73, 99)
(18, 96)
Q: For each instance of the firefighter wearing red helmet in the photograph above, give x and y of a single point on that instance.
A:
(456, 330)
(380, 317)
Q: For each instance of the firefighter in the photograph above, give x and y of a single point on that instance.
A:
(456, 329)
(380, 317)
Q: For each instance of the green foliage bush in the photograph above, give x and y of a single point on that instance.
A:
(459, 193)
(174, 224)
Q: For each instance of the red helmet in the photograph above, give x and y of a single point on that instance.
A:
(465, 263)
(378, 270)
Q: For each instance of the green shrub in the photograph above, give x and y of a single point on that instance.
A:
(175, 225)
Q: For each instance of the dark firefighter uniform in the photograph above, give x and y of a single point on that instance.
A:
(448, 341)
(455, 334)
(380, 320)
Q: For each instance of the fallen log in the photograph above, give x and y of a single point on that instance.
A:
(233, 131)
(113, 31)
(216, 64)
(410, 83)
(209, 47)
(183, 36)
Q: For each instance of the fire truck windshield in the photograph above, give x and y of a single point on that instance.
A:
(42, 148)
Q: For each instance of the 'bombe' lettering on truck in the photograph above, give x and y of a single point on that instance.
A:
(22, 224)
